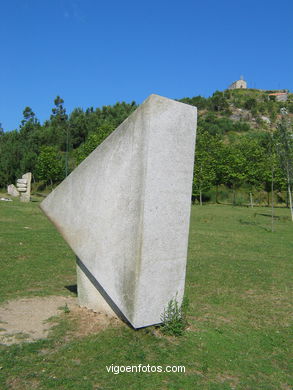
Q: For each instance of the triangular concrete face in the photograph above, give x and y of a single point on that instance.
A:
(125, 212)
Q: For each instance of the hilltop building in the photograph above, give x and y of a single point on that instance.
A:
(239, 84)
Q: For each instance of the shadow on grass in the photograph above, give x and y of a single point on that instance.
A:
(253, 223)
(72, 288)
(280, 218)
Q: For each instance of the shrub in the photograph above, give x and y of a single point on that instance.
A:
(173, 319)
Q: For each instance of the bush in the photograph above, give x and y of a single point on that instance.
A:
(173, 319)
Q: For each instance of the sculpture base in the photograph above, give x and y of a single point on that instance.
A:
(24, 197)
(89, 296)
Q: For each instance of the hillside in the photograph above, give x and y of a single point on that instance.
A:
(240, 110)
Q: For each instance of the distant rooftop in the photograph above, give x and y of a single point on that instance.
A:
(278, 93)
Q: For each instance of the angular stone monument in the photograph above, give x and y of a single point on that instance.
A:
(24, 187)
(12, 190)
(125, 213)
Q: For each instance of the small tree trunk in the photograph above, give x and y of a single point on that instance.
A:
(290, 200)
(217, 190)
(234, 196)
(251, 200)
(268, 198)
(200, 197)
(272, 191)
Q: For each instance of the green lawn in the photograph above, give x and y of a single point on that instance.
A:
(239, 284)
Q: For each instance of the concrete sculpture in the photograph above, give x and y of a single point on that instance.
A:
(24, 187)
(125, 213)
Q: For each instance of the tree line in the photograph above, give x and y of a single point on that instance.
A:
(228, 152)
(252, 161)
(52, 149)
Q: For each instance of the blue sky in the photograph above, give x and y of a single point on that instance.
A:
(95, 53)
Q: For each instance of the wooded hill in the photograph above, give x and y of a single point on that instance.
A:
(239, 142)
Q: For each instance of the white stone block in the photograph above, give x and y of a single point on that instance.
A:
(19, 185)
(25, 195)
(21, 181)
(125, 212)
(12, 190)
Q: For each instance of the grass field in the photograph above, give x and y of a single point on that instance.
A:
(239, 284)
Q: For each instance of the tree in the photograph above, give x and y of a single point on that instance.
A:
(49, 165)
(250, 103)
(86, 148)
(284, 137)
(234, 161)
(28, 117)
(78, 127)
(59, 126)
(197, 101)
(10, 156)
(29, 140)
(59, 122)
(59, 112)
(254, 164)
(221, 153)
(93, 140)
(218, 102)
(204, 164)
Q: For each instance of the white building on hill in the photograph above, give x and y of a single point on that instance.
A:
(239, 84)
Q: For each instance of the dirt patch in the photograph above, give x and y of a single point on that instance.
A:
(284, 386)
(89, 322)
(232, 380)
(26, 319)
(15, 383)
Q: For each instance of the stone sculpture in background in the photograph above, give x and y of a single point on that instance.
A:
(24, 187)
(12, 191)
(125, 213)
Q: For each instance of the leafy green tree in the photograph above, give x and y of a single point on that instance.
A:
(221, 154)
(221, 125)
(29, 141)
(59, 126)
(78, 127)
(49, 165)
(250, 103)
(59, 112)
(218, 102)
(10, 156)
(272, 176)
(86, 148)
(28, 117)
(234, 161)
(290, 107)
(198, 101)
(93, 140)
(204, 164)
(284, 142)
(254, 164)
